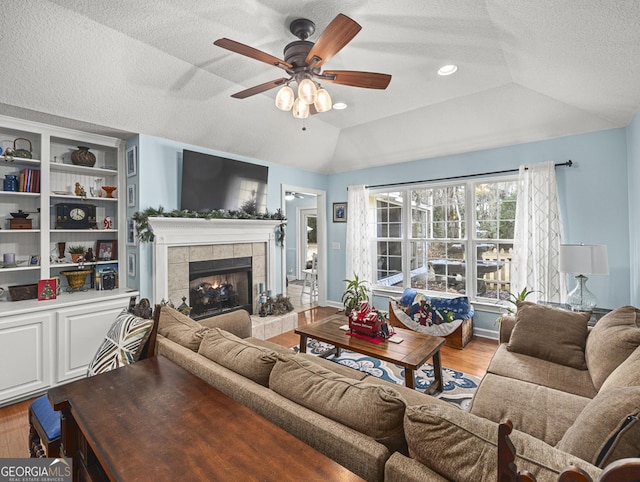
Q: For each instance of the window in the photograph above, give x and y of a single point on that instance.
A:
(459, 240)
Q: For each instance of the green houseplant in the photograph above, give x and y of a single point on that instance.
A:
(355, 292)
(76, 252)
(513, 299)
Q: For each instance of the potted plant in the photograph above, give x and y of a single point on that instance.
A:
(355, 292)
(76, 252)
(513, 299)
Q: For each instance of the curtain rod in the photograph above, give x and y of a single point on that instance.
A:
(569, 163)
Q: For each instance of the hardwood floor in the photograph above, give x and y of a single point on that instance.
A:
(474, 359)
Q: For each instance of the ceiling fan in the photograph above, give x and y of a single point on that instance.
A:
(303, 61)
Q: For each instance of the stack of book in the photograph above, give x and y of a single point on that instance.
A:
(29, 180)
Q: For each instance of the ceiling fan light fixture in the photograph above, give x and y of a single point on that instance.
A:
(307, 91)
(289, 196)
(300, 109)
(339, 106)
(285, 97)
(323, 101)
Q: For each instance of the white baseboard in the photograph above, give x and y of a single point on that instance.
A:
(483, 333)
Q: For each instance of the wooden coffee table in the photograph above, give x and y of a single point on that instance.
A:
(154, 420)
(411, 354)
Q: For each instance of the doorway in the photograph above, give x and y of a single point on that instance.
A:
(307, 238)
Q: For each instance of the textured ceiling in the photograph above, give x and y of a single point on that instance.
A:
(527, 71)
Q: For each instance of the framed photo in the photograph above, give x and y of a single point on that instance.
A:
(34, 260)
(131, 264)
(107, 250)
(339, 212)
(131, 195)
(131, 232)
(132, 161)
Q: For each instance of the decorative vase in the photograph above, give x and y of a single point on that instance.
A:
(61, 247)
(109, 190)
(76, 278)
(83, 157)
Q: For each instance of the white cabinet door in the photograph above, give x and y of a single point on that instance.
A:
(80, 331)
(25, 355)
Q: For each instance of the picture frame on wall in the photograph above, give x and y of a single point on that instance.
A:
(340, 212)
(131, 195)
(131, 232)
(131, 264)
(132, 161)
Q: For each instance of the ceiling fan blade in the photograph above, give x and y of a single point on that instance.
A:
(260, 88)
(337, 34)
(367, 80)
(247, 51)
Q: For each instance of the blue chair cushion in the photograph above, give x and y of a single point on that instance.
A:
(47, 416)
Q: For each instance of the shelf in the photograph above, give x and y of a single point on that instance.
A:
(19, 231)
(76, 265)
(87, 198)
(18, 193)
(92, 231)
(19, 161)
(20, 268)
(90, 171)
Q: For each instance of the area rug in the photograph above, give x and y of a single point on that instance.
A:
(458, 389)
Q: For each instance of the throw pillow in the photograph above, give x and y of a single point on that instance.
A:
(374, 410)
(469, 446)
(626, 375)
(552, 334)
(612, 340)
(240, 356)
(608, 429)
(180, 328)
(122, 345)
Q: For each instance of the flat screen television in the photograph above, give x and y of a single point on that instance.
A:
(211, 182)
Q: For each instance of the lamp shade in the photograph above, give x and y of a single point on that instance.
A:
(300, 109)
(284, 99)
(584, 259)
(307, 91)
(323, 101)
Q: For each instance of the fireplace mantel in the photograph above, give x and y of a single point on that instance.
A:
(190, 232)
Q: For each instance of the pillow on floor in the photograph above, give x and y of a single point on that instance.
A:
(551, 334)
(122, 345)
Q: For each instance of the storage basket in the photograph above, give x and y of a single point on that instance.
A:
(23, 292)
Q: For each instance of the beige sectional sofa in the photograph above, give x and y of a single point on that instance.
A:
(383, 431)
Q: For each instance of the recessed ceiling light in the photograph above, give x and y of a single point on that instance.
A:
(339, 105)
(447, 69)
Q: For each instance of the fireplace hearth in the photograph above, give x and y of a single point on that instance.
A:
(219, 286)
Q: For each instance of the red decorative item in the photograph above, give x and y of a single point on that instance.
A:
(366, 321)
(47, 289)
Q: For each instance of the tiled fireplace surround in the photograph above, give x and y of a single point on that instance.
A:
(179, 241)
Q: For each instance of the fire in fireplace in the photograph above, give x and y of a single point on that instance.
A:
(219, 286)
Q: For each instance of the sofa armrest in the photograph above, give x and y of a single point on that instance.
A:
(507, 322)
(400, 468)
(237, 322)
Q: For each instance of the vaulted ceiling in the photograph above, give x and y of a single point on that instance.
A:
(527, 70)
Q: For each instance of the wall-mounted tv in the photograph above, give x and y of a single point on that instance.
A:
(211, 182)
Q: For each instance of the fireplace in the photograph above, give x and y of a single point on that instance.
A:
(220, 285)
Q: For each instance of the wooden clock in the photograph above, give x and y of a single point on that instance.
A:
(75, 216)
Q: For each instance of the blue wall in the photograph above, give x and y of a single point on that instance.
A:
(597, 203)
(633, 150)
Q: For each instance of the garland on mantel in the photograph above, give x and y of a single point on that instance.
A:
(145, 234)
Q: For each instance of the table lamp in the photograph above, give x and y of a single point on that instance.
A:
(582, 259)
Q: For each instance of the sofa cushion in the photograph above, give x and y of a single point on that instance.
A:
(626, 375)
(471, 446)
(238, 355)
(180, 328)
(541, 412)
(541, 372)
(549, 333)
(122, 345)
(373, 410)
(612, 340)
(608, 429)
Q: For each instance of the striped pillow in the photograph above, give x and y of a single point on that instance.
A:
(122, 345)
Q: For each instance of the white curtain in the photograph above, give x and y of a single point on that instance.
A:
(538, 234)
(358, 236)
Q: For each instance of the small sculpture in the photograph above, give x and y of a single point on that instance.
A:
(80, 191)
(89, 256)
